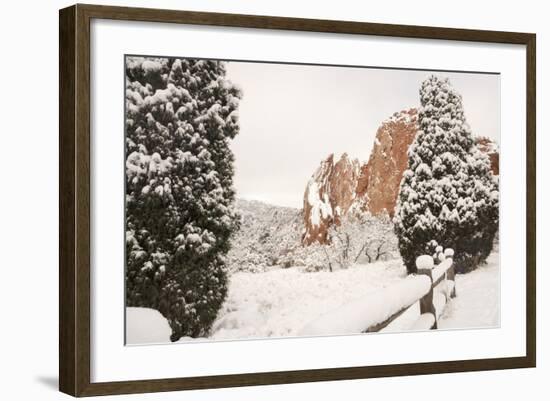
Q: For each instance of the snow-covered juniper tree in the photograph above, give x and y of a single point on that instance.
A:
(180, 116)
(448, 192)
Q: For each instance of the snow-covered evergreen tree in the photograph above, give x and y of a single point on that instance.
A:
(180, 116)
(448, 193)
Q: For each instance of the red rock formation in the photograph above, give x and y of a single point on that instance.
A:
(329, 194)
(380, 178)
(488, 146)
(373, 186)
(343, 182)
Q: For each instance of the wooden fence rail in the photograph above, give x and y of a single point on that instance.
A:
(442, 289)
(431, 288)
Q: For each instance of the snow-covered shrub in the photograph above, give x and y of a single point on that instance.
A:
(379, 239)
(180, 116)
(448, 192)
(359, 237)
(270, 237)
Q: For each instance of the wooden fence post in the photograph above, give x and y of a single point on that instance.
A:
(449, 253)
(425, 265)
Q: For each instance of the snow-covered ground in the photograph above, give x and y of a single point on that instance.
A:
(146, 326)
(478, 298)
(281, 302)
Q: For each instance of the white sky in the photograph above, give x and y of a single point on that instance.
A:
(294, 116)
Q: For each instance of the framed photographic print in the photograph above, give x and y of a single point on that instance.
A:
(250, 200)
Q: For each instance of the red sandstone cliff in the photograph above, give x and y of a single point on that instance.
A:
(329, 194)
(381, 176)
(486, 145)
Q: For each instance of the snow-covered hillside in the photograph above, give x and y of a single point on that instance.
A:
(271, 237)
(267, 236)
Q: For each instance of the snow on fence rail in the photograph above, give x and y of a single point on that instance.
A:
(431, 287)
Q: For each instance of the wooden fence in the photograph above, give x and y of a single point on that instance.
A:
(430, 288)
(442, 288)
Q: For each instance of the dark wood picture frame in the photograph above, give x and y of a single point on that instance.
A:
(74, 199)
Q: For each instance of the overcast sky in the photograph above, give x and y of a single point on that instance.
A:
(293, 116)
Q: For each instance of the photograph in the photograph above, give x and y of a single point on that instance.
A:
(271, 200)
